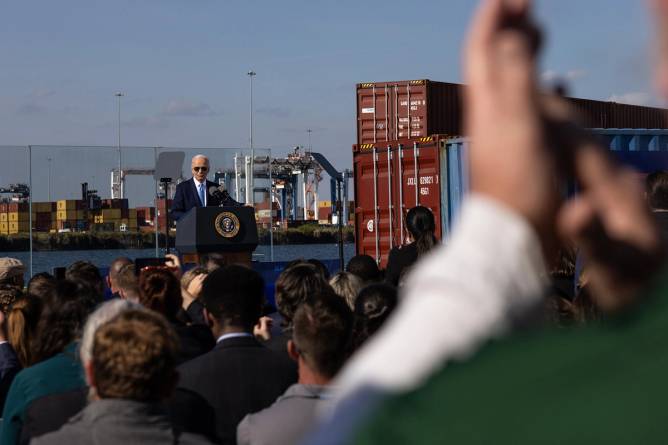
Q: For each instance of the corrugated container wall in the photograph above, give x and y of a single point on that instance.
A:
(411, 109)
(390, 179)
(408, 109)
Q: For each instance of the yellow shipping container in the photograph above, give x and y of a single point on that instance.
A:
(4, 227)
(18, 217)
(63, 215)
(67, 204)
(18, 227)
(325, 204)
(3, 217)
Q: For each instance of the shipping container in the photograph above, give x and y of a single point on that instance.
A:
(413, 109)
(17, 216)
(43, 207)
(3, 207)
(3, 217)
(390, 179)
(406, 110)
(385, 191)
(17, 207)
(18, 227)
(70, 204)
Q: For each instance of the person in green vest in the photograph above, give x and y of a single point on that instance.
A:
(602, 383)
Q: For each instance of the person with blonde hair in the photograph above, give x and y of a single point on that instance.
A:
(346, 285)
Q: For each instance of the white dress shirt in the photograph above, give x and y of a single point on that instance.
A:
(458, 297)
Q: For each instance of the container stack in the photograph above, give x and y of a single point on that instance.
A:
(44, 216)
(162, 212)
(71, 215)
(408, 153)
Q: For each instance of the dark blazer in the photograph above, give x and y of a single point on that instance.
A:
(9, 367)
(186, 197)
(239, 376)
(400, 260)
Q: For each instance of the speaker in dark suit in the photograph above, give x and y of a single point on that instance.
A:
(198, 191)
(239, 376)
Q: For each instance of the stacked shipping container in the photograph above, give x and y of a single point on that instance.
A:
(406, 153)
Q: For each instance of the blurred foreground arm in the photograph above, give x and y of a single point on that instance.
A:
(493, 266)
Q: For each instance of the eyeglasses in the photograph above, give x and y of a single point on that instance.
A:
(200, 169)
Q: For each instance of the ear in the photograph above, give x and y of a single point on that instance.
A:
(293, 352)
(90, 377)
(210, 319)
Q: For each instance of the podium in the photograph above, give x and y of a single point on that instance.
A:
(230, 231)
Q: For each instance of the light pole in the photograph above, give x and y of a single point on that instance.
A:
(309, 131)
(250, 198)
(120, 186)
(49, 160)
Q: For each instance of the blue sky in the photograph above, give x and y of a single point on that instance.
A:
(182, 64)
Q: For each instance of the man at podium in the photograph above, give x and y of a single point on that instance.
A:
(198, 191)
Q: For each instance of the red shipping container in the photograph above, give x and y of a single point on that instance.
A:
(388, 183)
(17, 207)
(411, 109)
(3, 207)
(407, 109)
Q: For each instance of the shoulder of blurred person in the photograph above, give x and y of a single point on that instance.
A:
(233, 297)
(399, 261)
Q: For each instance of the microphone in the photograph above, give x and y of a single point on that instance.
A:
(220, 193)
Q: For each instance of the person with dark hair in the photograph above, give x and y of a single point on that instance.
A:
(127, 386)
(322, 328)
(421, 227)
(656, 188)
(240, 375)
(58, 369)
(320, 266)
(41, 284)
(364, 267)
(84, 273)
(160, 290)
(293, 286)
(373, 306)
(114, 268)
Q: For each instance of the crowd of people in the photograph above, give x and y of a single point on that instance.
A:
(541, 319)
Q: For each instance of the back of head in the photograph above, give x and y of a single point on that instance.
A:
(374, 304)
(128, 283)
(322, 329)
(320, 266)
(346, 285)
(421, 225)
(11, 271)
(22, 322)
(364, 267)
(657, 190)
(116, 266)
(84, 273)
(41, 284)
(63, 314)
(160, 291)
(134, 357)
(101, 315)
(296, 284)
(234, 295)
(8, 295)
(213, 261)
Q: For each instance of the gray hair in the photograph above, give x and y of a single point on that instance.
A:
(346, 285)
(102, 314)
(200, 157)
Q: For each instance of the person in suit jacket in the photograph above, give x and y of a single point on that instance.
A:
(322, 329)
(239, 376)
(195, 192)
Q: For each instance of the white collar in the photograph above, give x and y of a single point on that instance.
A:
(233, 335)
(197, 183)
